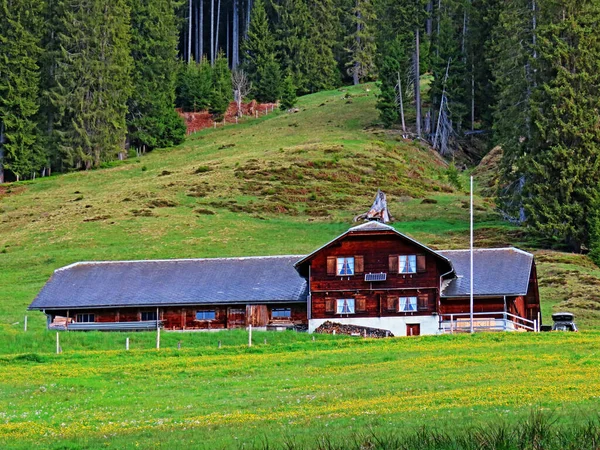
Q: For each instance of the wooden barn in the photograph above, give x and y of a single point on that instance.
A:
(371, 276)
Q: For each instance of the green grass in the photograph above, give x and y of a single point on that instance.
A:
(280, 184)
(206, 397)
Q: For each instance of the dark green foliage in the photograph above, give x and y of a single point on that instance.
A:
(361, 42)
(20, 33)
(222, 91)
(268, 85)
(194, 86)
(288, 96)
(151, 119)
(562, 163)
(93, 81)
(259, 57)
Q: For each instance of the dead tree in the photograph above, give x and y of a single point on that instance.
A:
(443, 130)
(379, 211)
(241, 88)
(400, 103)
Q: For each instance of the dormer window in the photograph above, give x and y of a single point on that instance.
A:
(345, 266)
(408, 263)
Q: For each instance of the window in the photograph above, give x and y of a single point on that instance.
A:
(408, 264)
(205, 315)
(408, 304)
(85, 318)
(281, 313)
(148, 315)
(345, 266)
(345, 306)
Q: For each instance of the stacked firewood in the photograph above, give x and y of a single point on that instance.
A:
(352, 330)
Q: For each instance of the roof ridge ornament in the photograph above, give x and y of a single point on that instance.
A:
(379, 211)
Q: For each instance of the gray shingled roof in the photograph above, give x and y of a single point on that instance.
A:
(173, 282)
(496, 271)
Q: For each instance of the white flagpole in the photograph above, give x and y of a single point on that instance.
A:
(471, 260)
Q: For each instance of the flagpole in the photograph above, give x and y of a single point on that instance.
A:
(471, 260)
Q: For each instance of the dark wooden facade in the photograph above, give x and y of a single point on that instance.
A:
(185, 317)
(378, 252)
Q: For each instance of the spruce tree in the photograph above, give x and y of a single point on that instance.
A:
(152, 119)
(322, 70)
(222, 90)
(288, 95)
(92, 80)
(361, 42)
(194, 86)
(259, 57)
(562, 169)
(20, 33)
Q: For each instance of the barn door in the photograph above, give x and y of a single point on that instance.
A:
(236, 318)
(413, 329)
(257, 315)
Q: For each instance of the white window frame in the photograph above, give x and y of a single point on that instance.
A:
(287, 311)
(407, 262)
(89, 316)
(340, 260)
(403, 302)
(206, 311)
(350, 304)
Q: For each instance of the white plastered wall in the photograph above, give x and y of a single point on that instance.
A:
(397, 325)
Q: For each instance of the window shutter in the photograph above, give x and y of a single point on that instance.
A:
(329, 305)
(392, 303)
(331, 265)
(423, 302)
(359, 264)
(393, 263)
(361, 303)
(421, 264)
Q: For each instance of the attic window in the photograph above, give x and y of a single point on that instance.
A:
(345, 266)
(408, 264)
(86, 318)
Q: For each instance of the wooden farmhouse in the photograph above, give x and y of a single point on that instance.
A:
(370, 276)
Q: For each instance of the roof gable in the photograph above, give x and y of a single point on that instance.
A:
(365, 229)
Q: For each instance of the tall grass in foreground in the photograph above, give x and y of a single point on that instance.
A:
(541, 431)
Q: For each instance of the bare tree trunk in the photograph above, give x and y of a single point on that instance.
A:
(201, 24)
(197, 33)
(212, 31)
(227, 41)
(418, 81)
(190, 35)
(429, 23)
(400, 98)
(472, 96)
(236, 36)
(217, 34)
(248, 10)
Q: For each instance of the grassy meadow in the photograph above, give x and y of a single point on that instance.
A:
(280, 184)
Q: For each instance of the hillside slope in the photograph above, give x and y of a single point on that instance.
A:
(280, 184)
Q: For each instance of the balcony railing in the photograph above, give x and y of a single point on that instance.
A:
(486, 321)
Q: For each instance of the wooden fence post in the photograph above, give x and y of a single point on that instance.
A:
(179, 345)
(25, 324)
(57, 344)
(126, 343)
(250, 336)
(158, 338)
(219, 344)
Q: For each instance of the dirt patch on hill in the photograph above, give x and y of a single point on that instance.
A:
(5, 191)
(196, 121)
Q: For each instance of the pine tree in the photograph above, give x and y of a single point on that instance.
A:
(92, 80)
(20, 34)
(322, 70)
(259, 57)
(222, 91)
(152, 119)
(361, 42)
(194, 86)
(288, 95)
(294, 26)
(562, 169)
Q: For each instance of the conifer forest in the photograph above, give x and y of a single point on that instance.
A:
(85, 82)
